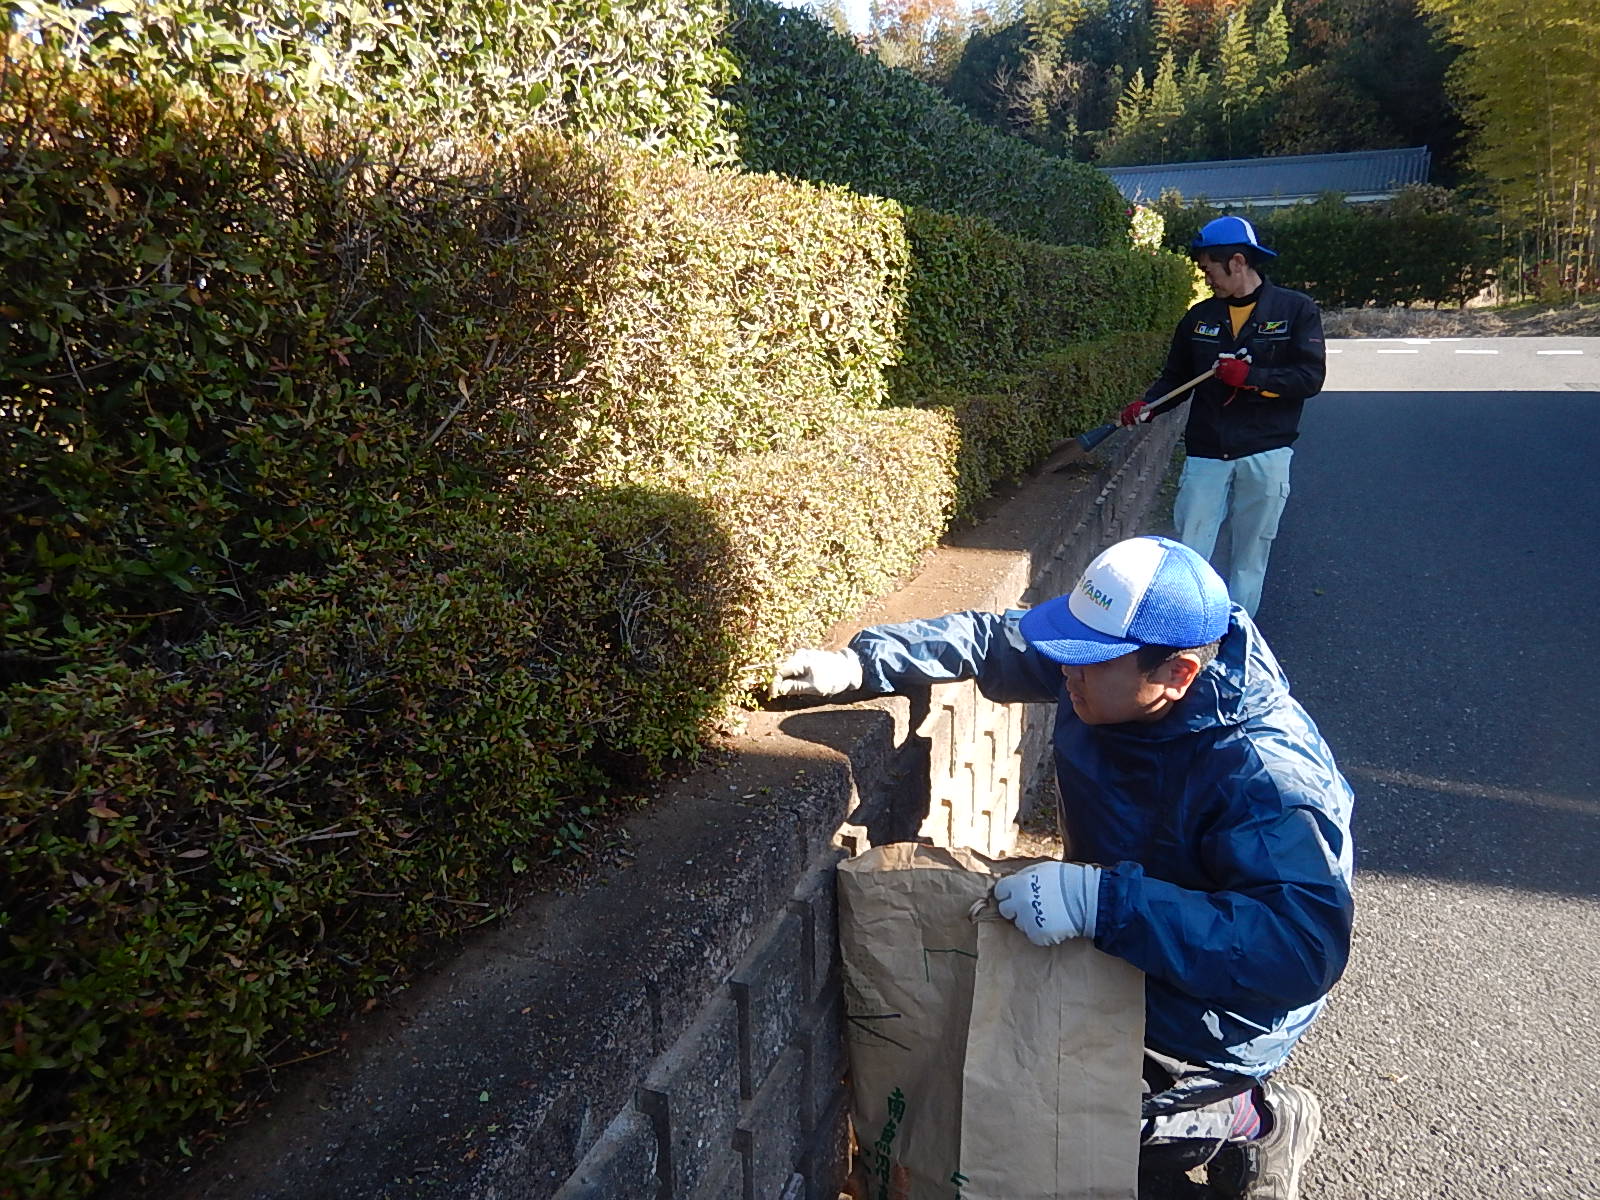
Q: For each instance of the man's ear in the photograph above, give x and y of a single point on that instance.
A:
(1177, 673)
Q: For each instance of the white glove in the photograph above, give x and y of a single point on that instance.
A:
(817, 673)
(1051, 902)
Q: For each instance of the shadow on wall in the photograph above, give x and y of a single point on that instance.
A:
(894, 806)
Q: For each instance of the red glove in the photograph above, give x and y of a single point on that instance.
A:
(1233, 372)
(1130, 415)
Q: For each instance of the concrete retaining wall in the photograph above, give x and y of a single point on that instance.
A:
(672, 1030)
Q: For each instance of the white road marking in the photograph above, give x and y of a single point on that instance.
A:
(1407, 350)
(1558, 351)
(1477, 352)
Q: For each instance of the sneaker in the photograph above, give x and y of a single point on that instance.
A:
(1269, 1168)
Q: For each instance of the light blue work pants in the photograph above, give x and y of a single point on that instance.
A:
(1257, 486)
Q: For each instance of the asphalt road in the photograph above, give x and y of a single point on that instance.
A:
(1434, 596)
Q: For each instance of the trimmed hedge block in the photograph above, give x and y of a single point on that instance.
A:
(808, 103)
(982, 305)
(1004, 431)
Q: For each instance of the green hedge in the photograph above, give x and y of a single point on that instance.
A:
(372, 510)
(817, 531)
(640, 70)
(230, 348)
(294, 358)
(1007, 428)
(1424, 246)
(982, 305)
(211, 857)
(739, 314)
(212, 860)
(808, 103)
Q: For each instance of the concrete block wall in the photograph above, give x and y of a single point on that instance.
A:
(673, 1029)
(747, 1105)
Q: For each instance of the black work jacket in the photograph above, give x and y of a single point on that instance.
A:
(1284, 337)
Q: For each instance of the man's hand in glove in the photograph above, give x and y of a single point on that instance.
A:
(817, 673)
(1233, 371)
(1051, 902)
(1131, 414)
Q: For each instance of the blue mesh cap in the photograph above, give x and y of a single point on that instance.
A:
(1228, 231)
(1146, 591)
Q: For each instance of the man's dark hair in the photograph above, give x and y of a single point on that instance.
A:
(1151, 657)
(1223, 255)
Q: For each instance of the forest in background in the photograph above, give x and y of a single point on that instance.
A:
(1130, 81)
(1498, 90)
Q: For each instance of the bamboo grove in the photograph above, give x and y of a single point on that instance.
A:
(1525, 77)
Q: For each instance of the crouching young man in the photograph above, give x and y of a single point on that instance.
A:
(1208, 824)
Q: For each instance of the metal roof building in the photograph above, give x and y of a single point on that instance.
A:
(1269, 182)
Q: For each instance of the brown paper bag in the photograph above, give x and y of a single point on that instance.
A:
(983, 1067)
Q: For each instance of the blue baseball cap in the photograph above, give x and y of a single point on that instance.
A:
(1146, 591)
(1228, 231)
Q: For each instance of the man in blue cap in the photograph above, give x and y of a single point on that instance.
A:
(1265, 344)
(1209, 825)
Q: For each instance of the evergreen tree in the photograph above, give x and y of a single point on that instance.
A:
(1166, 100)
(1236, 72)
(1272, 43)
(1171, 27)
(990, 59)
(1050, 23)
(1381, 59)
(1194, 82)
(1131, 107)
(1251, 76)
(1314, 111)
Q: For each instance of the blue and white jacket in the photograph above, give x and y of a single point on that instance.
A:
(1223, 829)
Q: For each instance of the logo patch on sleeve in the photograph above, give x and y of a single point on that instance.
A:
(1274, 327)
(1203, 329)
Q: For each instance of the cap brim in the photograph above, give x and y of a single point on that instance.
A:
(1196, 247)
(1054, 632)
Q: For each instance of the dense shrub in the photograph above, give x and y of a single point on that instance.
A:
(740, 314)
(817, 531)
(981, 305)
(808, 103)
(1426, 245)
(640, 70)
(228, 347)
(210, 856)
(210, 853)
(229, 356)
(1007, 428)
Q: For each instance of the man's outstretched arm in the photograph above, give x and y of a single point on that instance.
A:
(986, 647)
